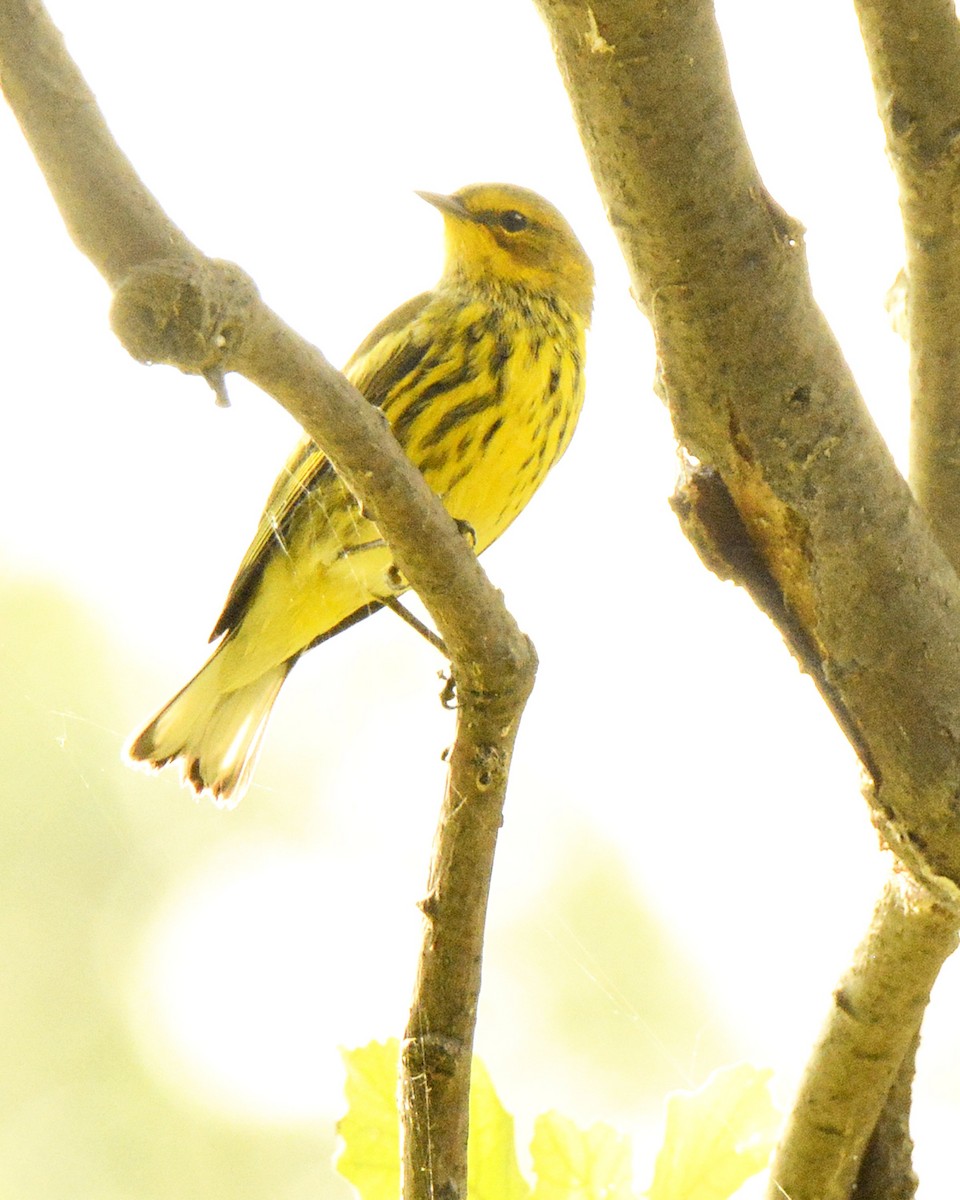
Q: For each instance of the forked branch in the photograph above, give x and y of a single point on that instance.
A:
(759, 394)
(174, 305)
(758, 390)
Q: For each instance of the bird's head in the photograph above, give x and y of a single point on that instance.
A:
(499, 232)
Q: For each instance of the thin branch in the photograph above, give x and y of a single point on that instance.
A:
(173, 305)
(913, 47)
(877, 1011)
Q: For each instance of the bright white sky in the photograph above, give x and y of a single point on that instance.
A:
(668, 721)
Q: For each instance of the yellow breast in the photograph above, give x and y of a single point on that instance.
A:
(495, 408)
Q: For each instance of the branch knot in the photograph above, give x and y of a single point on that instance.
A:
(187, 312)
(431, 1054)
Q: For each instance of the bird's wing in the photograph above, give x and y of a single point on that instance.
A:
(387, 355)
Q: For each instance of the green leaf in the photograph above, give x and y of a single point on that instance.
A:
(575, 1164)
(492, 1170)
(370, 1131)
(716, 1137)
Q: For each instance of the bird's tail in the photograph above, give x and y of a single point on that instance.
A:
(214, 734)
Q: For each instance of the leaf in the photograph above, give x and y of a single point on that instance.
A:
(575, 1164)
(716, 1137)
(492, 1170)
(370, 1130)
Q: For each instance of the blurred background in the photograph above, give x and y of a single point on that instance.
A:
(686, 863)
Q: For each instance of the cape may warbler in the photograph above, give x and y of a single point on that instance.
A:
(481, 380)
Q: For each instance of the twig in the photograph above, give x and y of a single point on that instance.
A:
(173, 305)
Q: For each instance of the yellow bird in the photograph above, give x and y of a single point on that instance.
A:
(481, 380)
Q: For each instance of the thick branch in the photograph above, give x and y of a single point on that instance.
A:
(714, 527)
(913, 47)
(173, 305)
(877, 1012)
(760, 394)
(758, 389)
(914, 53)
(111, 216)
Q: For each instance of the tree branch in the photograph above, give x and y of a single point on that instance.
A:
(913, 47)
(173, 305)
(758, 390)
(886, 1169)
(760, 395)
(111, 216)
(877, 1011)
(713, 526)
(913, 50)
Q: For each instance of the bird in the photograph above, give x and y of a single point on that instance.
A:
(482, 382)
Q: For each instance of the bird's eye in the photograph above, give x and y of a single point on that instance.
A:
(513, 221)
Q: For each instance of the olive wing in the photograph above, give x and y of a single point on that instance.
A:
(389, 353)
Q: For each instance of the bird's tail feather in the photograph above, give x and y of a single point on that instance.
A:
(214, 734)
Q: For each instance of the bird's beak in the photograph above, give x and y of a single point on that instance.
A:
(446, 204)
